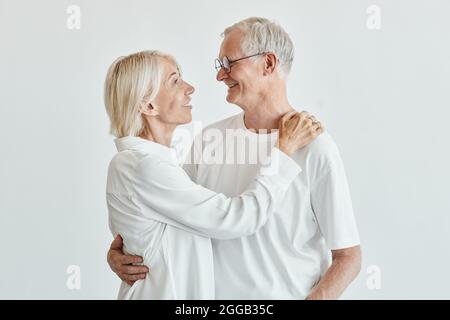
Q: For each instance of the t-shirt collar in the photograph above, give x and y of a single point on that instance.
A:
(272, 136)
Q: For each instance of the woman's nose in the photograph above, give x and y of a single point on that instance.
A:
(190, 89)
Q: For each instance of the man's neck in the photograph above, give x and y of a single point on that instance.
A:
(265, 115)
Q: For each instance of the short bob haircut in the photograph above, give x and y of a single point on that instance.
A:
(132, 81)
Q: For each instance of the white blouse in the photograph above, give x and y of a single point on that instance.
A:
(168, 220)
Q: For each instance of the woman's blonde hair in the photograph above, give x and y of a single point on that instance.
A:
(132, 81)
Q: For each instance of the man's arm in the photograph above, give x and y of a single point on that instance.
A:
(333, 210)
(122, 264)
(345, 267)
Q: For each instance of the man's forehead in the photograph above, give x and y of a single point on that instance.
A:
(229, 51)
(231, 44)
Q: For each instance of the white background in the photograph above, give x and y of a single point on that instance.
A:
(383, 95)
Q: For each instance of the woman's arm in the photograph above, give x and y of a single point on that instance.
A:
(164, 192)
(295, 132)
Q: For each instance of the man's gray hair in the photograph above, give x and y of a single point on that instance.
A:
(263, 35)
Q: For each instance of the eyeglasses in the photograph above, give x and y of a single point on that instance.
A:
(226, 63)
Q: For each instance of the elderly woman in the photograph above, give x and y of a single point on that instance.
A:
(159, 212)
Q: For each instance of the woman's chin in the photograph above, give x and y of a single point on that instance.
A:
(187, 120)
(186, 116)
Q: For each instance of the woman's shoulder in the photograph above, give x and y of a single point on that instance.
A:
(135, 162)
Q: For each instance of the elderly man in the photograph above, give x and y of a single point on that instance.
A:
(310, 247)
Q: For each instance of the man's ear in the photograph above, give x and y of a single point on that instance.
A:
(148, 109)
(270, 63)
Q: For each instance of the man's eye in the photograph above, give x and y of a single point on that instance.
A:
(176, 80)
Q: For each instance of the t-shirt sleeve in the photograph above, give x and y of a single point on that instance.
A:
(332, 205)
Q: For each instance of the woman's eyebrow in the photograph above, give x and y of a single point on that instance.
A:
(172, 74)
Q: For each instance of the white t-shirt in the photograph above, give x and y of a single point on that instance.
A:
(168, 220)
(289, 254)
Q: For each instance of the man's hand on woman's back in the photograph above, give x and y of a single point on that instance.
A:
(122, 264)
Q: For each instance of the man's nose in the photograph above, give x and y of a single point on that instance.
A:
(221, 74)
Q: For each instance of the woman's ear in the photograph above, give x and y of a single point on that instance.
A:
(270, 63)
(148, 110)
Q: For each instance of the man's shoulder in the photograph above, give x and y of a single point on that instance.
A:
(320, 154)
(324, 145)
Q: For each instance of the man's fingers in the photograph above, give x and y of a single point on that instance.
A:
(134, 269)
(117, 243)
(126, 259)
(133, 277)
